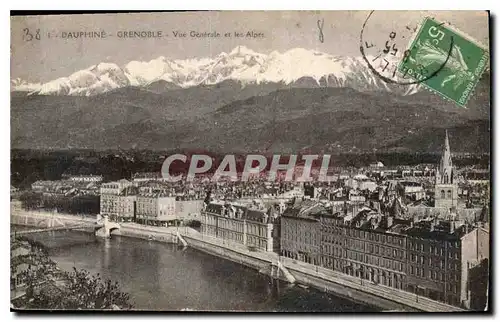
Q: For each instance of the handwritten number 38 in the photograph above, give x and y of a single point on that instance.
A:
(28, 35)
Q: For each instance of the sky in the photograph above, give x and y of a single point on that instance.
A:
(44, 59)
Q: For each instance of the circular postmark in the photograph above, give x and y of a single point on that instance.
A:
(387, 51)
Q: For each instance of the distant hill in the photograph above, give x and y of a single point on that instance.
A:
(258, 117)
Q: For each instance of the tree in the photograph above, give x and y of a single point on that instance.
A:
(31, 200)
(91, 292)
(78, 290)
(48, 288)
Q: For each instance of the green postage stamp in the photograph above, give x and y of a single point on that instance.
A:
(445, 61)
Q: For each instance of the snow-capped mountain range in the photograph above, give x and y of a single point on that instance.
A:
(242, 64)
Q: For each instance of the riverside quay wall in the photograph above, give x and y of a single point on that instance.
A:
(320, 278)
(265, 262)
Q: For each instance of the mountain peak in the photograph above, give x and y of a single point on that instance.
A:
(243, 50)
(242, 64)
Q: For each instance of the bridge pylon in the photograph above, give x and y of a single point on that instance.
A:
(107, 226)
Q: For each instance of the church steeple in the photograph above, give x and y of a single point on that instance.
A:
(444, 175)
(446, 189)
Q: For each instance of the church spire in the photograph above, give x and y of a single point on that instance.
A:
(446, 166)
(447, 151)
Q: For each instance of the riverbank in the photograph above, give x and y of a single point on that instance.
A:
(306, 274)
(320, 278)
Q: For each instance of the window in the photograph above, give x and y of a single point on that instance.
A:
(412, 270)
(449, 194)
(442, 194)
(421, 247)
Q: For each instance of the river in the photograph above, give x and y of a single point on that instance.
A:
(165, 277)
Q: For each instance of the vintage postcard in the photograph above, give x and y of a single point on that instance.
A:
(259, 161)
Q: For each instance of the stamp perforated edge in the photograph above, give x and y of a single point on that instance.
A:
(466, 37)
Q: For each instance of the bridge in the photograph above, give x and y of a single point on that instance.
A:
(43, 230)
(102, 228)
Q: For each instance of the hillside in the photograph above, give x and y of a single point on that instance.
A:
(259, 117)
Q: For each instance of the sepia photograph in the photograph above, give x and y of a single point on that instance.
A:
(250, 161)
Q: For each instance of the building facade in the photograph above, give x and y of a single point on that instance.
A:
(235, 223)
(188, 210)
(436, 259)
(155, 209)
(112, 201)
(83, 178)
(114, 188)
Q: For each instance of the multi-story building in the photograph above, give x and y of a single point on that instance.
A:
(366, 245)
(300, 231)
(83, 178)
(361, 182)
(411, 190)
(147, 176)
(155, 209)
(440, 257)
(434, 258)
(188, 210)
(109, 205)
(114, 200)
(230, 222)
(114, 188)
(126, 207)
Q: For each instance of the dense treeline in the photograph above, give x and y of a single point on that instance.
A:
(88, 205)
